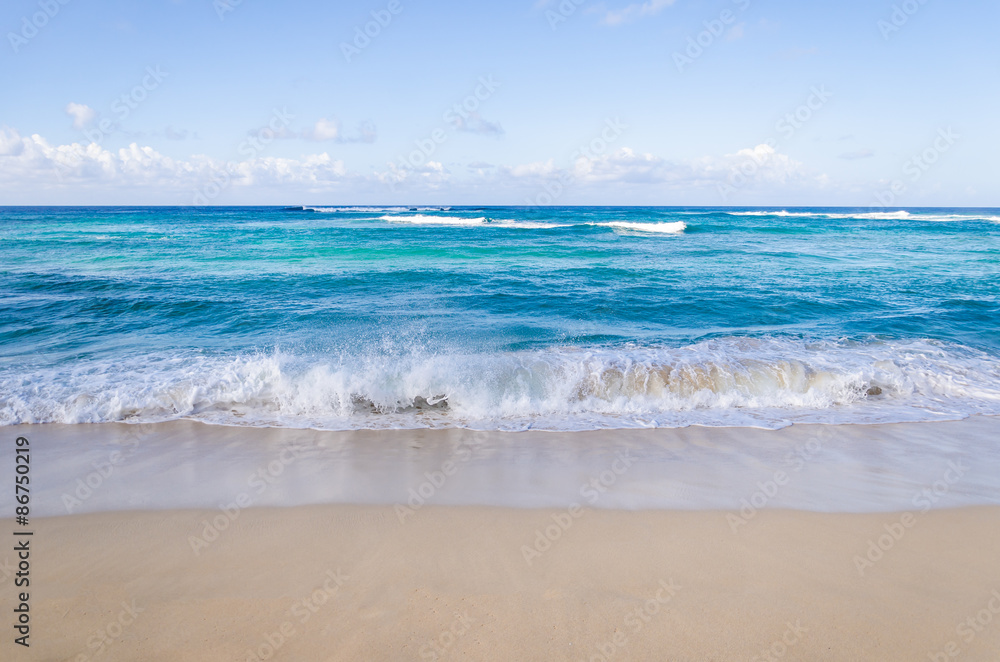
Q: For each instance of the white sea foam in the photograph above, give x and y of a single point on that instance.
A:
(675, 227)
(371, 210)
(368, 210)
(422, 219)
(735, 381)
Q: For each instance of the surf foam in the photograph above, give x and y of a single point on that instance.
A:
(676, 227)
(733, 381)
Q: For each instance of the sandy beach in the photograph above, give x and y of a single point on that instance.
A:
(841, 542)
(357, 583)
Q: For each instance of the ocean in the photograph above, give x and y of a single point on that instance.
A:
(498, 318)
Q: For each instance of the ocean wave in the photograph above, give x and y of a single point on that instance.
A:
(879, 215)
(362, 210)
(767, 213)
(888, 215)
(675, 227)
(365, 210)
(957, 217)
(421, 219)
(531, 225)
(731, 381)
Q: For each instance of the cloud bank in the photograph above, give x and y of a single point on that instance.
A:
(34, 164)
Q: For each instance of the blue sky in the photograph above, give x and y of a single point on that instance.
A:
(255, 102)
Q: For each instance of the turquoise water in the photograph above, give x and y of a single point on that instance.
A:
(498, 318)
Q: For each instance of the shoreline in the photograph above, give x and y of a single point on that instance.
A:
(818, 468)
(343, 582)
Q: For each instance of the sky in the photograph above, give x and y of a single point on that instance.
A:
(868, 103)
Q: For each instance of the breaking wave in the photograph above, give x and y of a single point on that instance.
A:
(732, 381)
(421, 219)
(676, 227)
(368, 210)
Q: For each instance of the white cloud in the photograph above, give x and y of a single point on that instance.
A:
(625, 166)
(763, 164)
(323, 130)
(10, 142)
(330, 130)
(30, 161)
(82, 114)
(431, 176)
(636, 10)
(627, 174)
(536, 170)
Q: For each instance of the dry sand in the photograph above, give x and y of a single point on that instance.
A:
(453, 583)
